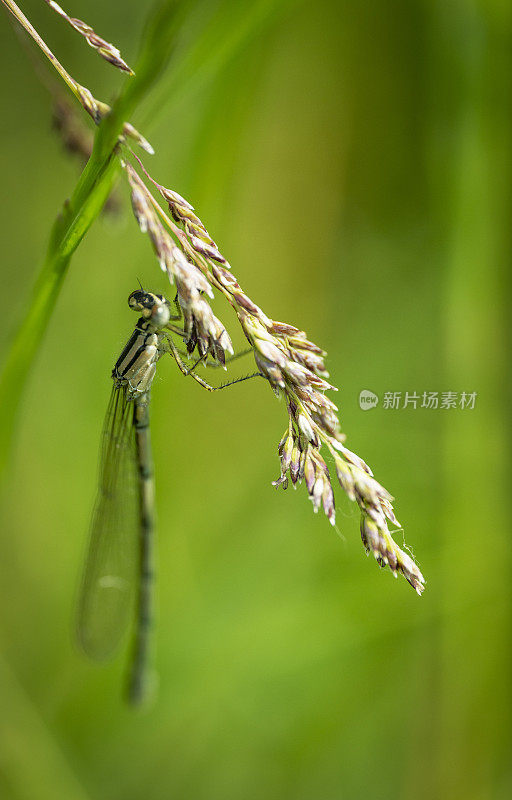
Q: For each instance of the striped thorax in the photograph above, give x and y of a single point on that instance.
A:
(136, 366)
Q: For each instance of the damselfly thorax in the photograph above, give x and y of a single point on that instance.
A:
(136, 366)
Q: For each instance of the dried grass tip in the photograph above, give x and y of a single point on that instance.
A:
(106, 50)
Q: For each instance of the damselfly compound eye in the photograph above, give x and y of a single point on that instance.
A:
(135, 300)
(152, 306)
(141, 301)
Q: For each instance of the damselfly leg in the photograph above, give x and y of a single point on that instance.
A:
(191, 370)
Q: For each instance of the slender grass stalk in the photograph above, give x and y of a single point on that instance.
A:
(96, 109)
(68, 230)
(80, 211)
(29, 28)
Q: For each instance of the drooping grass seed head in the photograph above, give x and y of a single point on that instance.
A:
(292, 365)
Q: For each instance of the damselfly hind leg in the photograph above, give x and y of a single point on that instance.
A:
(215, 364)
(191, 370)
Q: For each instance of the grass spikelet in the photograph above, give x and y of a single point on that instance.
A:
(105, 49)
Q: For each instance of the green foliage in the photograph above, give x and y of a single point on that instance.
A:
(354, 167)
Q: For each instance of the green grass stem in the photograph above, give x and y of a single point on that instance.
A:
(78, 214)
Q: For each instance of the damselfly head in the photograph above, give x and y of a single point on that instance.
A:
(153, 307)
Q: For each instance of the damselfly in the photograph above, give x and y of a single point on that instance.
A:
(118, 574)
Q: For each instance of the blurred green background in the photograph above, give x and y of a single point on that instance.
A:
(353, 162)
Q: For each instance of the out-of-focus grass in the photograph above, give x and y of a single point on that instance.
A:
(353, 164)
